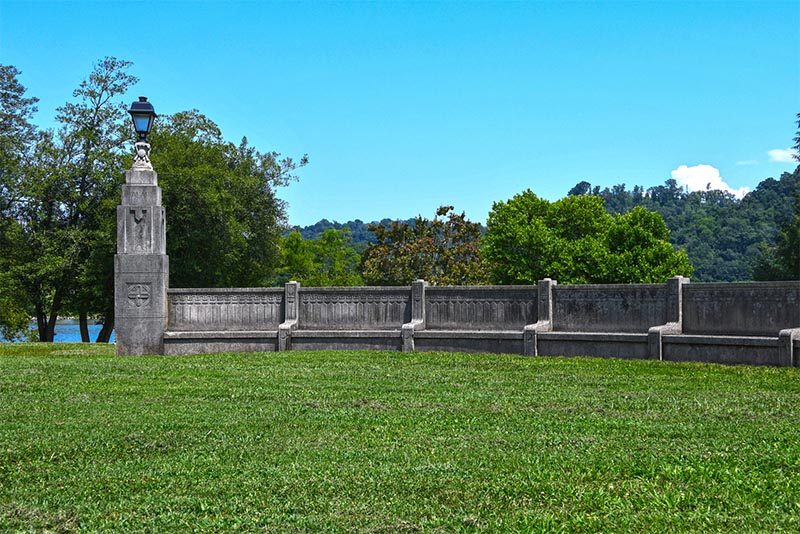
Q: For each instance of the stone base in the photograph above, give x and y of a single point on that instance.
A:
(496, 342)
(139, 336)
(140, 303)
(182, 343)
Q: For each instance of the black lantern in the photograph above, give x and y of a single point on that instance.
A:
(142, 113)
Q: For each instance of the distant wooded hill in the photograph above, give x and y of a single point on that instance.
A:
(722, 235)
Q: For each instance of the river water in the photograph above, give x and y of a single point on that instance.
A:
(68, 331)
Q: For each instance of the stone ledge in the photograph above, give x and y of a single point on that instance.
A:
(468, 334)
(217, 290)
(220, 334)
(748, 341)
(594, 336)
(299, 334)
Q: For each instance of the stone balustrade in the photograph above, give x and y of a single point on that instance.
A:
(757, 323)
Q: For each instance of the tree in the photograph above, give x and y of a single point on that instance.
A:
(17, 139)
(224, 218)
(724, 236)
(797, 140)
(581, 188)
(640, 251)
(329, 260)
(782, 262)
(59, 192)
(57, 203)
(575, 241)
(441, 251)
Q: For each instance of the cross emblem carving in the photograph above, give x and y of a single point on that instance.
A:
(139, 294)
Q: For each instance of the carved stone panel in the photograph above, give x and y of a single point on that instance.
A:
(141, 230)
(225, 309)
(609, 307)
(139, 294)
(480, 307)
(354, 308)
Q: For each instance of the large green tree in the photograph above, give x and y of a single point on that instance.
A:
(442, 251)
(575, 241)
(224, 219)
(56, 219)
(17, 140)
(782, 261)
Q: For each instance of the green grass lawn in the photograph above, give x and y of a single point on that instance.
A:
(392, 442)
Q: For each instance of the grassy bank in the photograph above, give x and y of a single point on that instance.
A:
(388, 442)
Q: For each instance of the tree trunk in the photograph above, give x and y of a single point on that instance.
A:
(50, 330)
(108, 325)
(84, 326)
(41, 323)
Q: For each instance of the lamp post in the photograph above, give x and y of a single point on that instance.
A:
(143, 115)
(141, 265)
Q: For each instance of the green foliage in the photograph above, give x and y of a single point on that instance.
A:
(392, 442)
(360, 234)
(17, 134)
(574, 240)
(440, 251)
(17, 140)
(782, 262)
(797, 140)
(726, 239)
(640, 249)
(329, 260)
(224, 218)
(56, 206)
(59, 192)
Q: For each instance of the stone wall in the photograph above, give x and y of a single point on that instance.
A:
(225, 309)
(742, 309)
(609, 307)
(354, 308)
(756, 323)
(480, 307)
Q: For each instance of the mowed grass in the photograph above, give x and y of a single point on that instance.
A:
(392, 442)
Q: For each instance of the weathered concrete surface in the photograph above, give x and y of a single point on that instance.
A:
(741, 309)
(182, 343)
(722, 349)
(482, 341)
(347, 340)
(642, 321)
(225, 309)
(480, 307)
(598, 344)
(140, 287)
(141, 267)
(354, 308)
(609, 307)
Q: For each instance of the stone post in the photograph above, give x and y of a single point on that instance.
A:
(786, 355)
(291, 290)
(417, 314)
(655, 344)
(141, 265)
(544, 316)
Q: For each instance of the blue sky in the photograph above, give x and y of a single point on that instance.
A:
(405, 106)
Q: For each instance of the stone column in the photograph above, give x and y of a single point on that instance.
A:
(141, 265)
(674, 325)
(417, 315)
(544, 317)
(291, 306)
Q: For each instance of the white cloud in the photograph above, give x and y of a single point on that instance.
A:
(782, 155)
(702, 177)
(747, 162)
